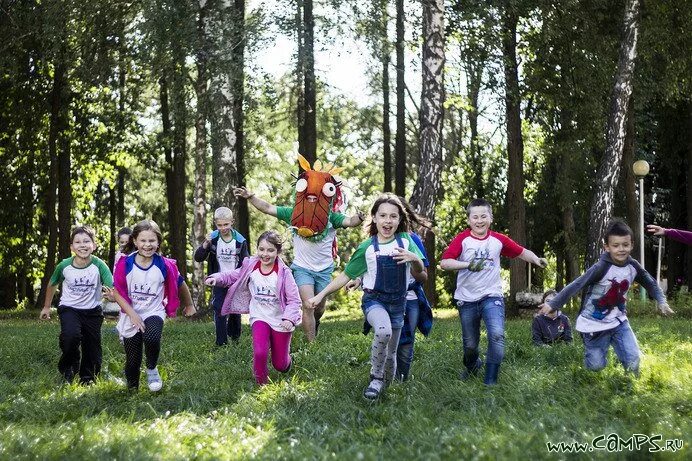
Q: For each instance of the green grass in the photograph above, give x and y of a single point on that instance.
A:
(211, 409)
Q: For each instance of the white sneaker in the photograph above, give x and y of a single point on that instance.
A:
(154, 380)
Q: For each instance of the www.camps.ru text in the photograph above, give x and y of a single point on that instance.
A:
(614, 443)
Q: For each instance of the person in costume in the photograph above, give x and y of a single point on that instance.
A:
(314, 221)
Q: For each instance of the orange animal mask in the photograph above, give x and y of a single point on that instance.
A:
(316, 193)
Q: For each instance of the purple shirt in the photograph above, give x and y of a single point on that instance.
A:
(679, 235)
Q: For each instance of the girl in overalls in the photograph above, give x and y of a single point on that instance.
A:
(385, 262)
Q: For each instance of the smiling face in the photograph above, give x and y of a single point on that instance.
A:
(619, 247)
(386, 219)
(267, 253)
(225, 226)
(122, 241)
(147, 243)
(82, 245)
(480, 219)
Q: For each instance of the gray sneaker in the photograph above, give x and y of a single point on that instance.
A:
(154, 380)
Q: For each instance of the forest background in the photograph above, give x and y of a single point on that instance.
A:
(111, 112)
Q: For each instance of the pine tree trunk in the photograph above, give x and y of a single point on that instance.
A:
(628, 177)
(238, 60)
(57, 126)
(608, 171)
(400, 138)
(474, 75)
(178, 209)
(64, 185)
(200, 193)
(310, 89)
(386, 130)
(428, 183)
(515, 153)
(300, 78)
(688, 201)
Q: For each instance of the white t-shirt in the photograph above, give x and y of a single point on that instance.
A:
(81, 286)
(264, 304)
(226, 254)
(145, 287)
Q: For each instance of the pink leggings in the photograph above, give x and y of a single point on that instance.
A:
(264, 338)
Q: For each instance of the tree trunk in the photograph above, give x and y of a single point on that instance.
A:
(515, 153)
(386, 130)
(474, 75)
(177, 210)
(57, 126)
(64, 185)
(310, 107)
(427, 188)
(608, 171)
(200, 193)
(112, 226)
(300, 78)
(400, 139)
(688, 201)
(628, 177)
(238, 60)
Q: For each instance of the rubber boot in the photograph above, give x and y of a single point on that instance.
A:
(470, 372)
(491, 372)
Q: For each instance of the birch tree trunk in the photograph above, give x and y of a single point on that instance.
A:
(608, 171)
(427, 188)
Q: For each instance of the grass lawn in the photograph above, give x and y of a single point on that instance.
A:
(210, 408)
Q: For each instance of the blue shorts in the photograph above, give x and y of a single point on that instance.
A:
(395, 310)
(318, 279)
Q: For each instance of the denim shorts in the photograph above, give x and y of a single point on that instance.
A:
(318, 279)
(395, 310)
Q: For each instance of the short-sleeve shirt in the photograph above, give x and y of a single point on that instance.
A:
(313, 255)
(364, 261)
(227, 254)
(264, 303)
(81, 286)
(472, 286)
(411, 295)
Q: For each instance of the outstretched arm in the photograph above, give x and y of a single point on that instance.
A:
(264, 207)
(340, 280)
(530, 257)
(355, 220)
(454, 265)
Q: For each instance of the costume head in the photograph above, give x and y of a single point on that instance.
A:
(318, 193)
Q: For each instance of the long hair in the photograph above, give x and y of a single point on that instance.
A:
(413, 217)
(144, 225)
(272, 237)
(392, 200)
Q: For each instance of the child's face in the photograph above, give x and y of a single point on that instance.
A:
(82, 245)
(267, 252)
(224, 226)
(122, 241)
(147, 243)
(619, 247)
(386, 220)
(480, 219)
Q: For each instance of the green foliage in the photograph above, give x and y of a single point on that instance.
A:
(210, 408)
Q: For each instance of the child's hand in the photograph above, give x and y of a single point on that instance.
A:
(313, 302)
(243, 192)
(190, 310)
(402, 256)
(542, 263)
(545, 308)
(353, 284)
(108, 293)
(287, 325)
(477, 265)
(656, 230)
(45, 313)
(210, 281)
(137, 321)
(665, 309)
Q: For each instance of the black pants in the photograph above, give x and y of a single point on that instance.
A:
(151, 339)
(226, 325)
(80, 327)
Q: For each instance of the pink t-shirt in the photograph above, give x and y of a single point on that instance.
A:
(472, 286)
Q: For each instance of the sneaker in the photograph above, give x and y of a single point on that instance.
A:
(374, 389)
(154, 380)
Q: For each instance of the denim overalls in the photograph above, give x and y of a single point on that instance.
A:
(390, 287)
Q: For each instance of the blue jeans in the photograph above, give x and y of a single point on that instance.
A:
(226, 325)
(395, 310)
(492, 310)
(624, 343)
(404, 354)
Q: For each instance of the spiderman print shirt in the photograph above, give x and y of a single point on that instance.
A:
(605, 287)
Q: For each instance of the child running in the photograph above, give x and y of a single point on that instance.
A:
(149, 285)
(475, 253)
(602, 319)
(225, 249)
(385, 262)
(263, 286)
(83, 277)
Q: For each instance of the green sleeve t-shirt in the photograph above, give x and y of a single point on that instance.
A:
(81, 286)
